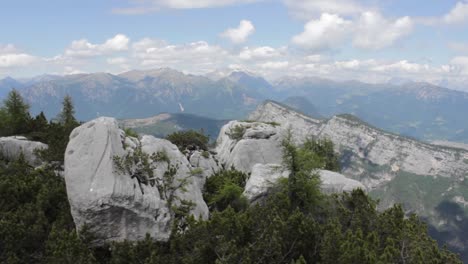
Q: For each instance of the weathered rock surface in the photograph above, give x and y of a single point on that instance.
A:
(110, 202)
(333, 182)
(208, 165)
(423, 177)
(12, 147)
(265, 175)
(259, 143)
(362, 145)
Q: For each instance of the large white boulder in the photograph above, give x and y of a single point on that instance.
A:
(109, 201)
(243, 144)
(12, 147)
(264, 176)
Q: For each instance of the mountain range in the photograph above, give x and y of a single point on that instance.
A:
(420, 110)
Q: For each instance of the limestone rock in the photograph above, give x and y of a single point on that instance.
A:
(333, 182)
(110, 202)
(265, 175)
(258, 143)
(207, 164)
(362, 145)
(12, 147)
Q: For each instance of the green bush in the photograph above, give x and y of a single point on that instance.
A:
(130, 132)
(225, 188)
(237, 132)
(189, 140)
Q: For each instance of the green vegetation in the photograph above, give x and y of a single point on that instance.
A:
(237, 132)
(16, 120)
(294, 223)
(130, 132)
(225, 189)
(189, 140)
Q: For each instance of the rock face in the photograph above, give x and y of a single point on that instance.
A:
(362, 145)
(424, 178)
(265, 175)
(333, 182)
(244, 144)
(205, 162)
(112, 203)
(12, 147)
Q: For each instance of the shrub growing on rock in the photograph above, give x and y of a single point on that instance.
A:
(189, 140)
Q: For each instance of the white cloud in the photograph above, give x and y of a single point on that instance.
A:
(197, 57)
(148, 6)
(83, 48)
(373, 31)
(240, 34)
(460, 64)
(274, 65)
(264, 52)
(459, 14)
(116, 61)
(325, 33)
(307, 9)
(10, 56)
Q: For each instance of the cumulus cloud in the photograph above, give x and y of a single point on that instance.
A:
(148, 6)
(327, 32)
(83, 48)
(370, 31)
(241, 33)
(459, 14)
(373, 31)
(195, 56)
(264, 52)
(307, 9)
(460, 64)
(10, 56)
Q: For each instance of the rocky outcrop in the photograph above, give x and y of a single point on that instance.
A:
(395, 169)
(265, 176)
(205, 162)
(363, 146)
(333, 182)
(11, 149)
(243, 144)
(114, 204)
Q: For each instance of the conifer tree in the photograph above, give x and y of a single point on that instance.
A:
(66, 117)
(16, 112)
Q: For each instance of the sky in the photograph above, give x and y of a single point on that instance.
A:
(367, 40)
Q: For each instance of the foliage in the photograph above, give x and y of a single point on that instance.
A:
(295, 223)
(141, 166)
(15, 115)
(189, 140)
(205, 154)
(33, 207)
(237, 132)
(224, 189)
(58, 133)
(324, 152)
(130, 132)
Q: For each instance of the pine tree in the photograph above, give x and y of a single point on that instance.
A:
(16, 112)
(66, 117)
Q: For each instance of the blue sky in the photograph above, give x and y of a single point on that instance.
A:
(368, 40)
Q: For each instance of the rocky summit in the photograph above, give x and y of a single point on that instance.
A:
(425, 178)
(119, 204)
